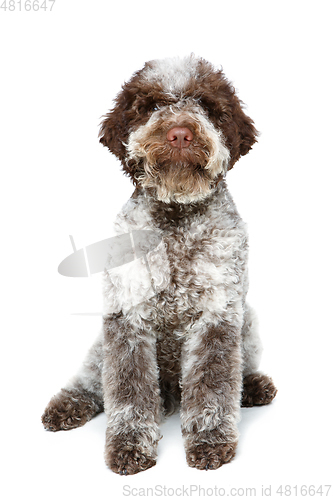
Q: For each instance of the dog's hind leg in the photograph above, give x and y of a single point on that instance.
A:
(82, 398)
(258, 389)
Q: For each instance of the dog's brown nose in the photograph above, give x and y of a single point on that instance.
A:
(180, 137)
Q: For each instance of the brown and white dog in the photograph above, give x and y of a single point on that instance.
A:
(182, 334)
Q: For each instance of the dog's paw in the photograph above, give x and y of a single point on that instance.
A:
(128, 462)
(127, 459)
(207, 456)
(258, 390)
(68, 410)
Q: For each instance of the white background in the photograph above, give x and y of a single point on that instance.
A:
(60, 71)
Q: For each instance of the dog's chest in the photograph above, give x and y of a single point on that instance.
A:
(195, 257)
(203, 270)
(197, 266)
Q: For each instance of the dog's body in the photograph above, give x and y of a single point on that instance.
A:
(182, 333)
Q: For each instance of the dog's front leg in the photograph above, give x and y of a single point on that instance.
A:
(131, 396)
(211, 391)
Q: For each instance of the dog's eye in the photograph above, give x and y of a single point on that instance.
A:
(154, 107)
(204, 104)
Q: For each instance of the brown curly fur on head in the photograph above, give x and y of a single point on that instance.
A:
(207, 87)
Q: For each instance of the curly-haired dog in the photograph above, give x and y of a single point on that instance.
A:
(183, 333)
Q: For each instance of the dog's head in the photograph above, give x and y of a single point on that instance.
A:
(177, 126)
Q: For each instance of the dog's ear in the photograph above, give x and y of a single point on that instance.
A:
(246, 129)
(113, 130)
(116, 125)
(227, 112)
(238, 128)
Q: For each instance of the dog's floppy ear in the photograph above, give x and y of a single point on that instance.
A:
(115, 126)
(112, 133)
(219, 97)
(247, 131)
(238, 128)
(240, 132)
